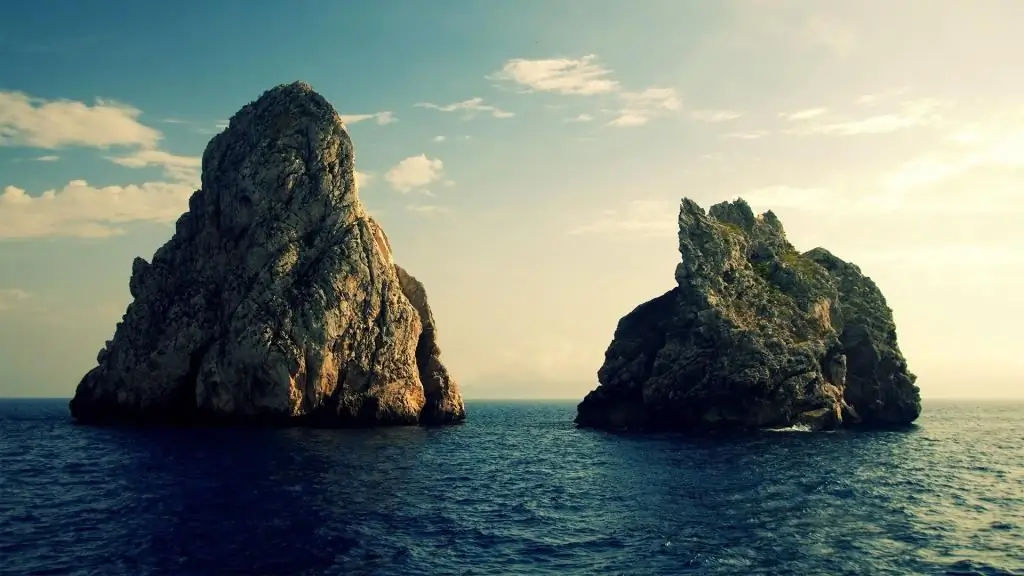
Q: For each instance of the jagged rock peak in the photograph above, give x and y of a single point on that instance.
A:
(754, 335)
(277, 299)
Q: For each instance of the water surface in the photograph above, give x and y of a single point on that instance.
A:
(515, 490)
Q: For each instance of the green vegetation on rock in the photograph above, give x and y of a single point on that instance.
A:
(755, 335)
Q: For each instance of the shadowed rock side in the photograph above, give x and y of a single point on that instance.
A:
(276, 301)
(754, 335)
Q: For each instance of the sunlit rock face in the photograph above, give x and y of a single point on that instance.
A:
(276, 300)
(754, 335)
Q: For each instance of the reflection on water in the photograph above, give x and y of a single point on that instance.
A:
(516, 490)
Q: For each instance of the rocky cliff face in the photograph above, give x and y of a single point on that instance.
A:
(276, 300)
(754, 335)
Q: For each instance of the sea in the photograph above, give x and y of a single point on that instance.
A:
(515, 490)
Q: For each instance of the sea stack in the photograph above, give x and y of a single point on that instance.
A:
(276, 301)
(754, 335)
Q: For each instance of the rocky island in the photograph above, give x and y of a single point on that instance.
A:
(276, 300)
(754, 335)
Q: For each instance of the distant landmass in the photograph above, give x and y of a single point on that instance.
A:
(276, 301)
(754, 335)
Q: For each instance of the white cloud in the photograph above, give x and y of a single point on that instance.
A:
(49, 124)
(47, 158)
(582, 76)
(471, 106)
(81, 210)
(439, 138)
(184, 169)
(644, 218)
(427, 209)
(783, 196)
(803, 114)
(714, 116)
(362, 179)
(11, 298)
(382, 118)
(945, 256)
(414, 172)
(638, 108)
(825, 31)
(580, 118)
(751, 135)
(912, 114)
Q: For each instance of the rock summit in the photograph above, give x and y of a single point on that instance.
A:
(276, 300)
(754, 335)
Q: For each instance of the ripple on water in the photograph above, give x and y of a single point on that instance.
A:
(516, 490)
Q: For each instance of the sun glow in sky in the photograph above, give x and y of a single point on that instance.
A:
(527, 160)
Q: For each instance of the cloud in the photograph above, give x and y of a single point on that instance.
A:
(382, 118)
(583, 76)
(876, 98)
(47, 158)
(638, 108)
(472, 106)
(11, 298)
(825, 31)
(912, 114)
(783, 196)
(427, 209)
(803, 114)
(714, 116)
(362, 179)
(751, 135)
(184, 169)
(83, 211)
(51, 124)
(414, 172)
(645, 218)
(439, 138)
(587, 77)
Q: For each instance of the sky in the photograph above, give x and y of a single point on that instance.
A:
(527, 158)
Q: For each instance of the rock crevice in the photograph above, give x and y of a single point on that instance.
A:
(277, 299)
(754, 335)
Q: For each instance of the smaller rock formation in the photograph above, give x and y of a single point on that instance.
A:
(276, 301)
(754, 335)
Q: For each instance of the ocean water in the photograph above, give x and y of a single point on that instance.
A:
(515, 490)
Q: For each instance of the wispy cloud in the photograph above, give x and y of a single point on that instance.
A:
(586, 76)
(50, 158)
(644, 218)
(427, 209)
(414, 172)
(184, 169)
(803, 114)
(382, 118)
(785, 196)
(638, 108)
(831, 33)
(81, 210)
(439, 138)
(362, 179)
(51, 124)
(714, 116)
(580, 76)
(912, 114)
(11, 298)
(580, 118)
(471, 107)
(751, 135)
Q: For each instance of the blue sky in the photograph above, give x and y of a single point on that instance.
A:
(526, 159)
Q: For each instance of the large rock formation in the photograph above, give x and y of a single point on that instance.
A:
(754, 335)
(276, 300)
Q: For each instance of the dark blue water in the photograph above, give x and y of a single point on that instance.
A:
(516, 490)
